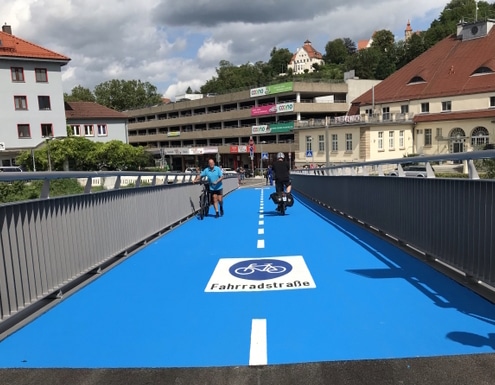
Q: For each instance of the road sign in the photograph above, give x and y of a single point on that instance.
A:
(309, 154)
(264, 155)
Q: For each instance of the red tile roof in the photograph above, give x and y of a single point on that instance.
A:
(91, 110)
(446, 69)
(442, 116)
(12, 46)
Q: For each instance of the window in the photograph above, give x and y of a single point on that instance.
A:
(309, 146)
(348, 142)
(76, 129)
(391, 140)
(401, 139)
(428, 137)
(321, 142)
(386, 113)
(88, 130)
(425, 107)
(482, 71)
(335, 142)
(41, 75)
(447, 106)
(17, 74)
(44, 102)
(479, 137)
(102, 130)
(492, 101)
(369, 111)
(380, 141)
(416, 79)
(23, 131)
(404, 109)
(20, 102)
(46, 130)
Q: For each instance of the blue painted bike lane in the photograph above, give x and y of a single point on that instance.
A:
(370, 299)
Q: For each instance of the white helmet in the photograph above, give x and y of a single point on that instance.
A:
(280, 155)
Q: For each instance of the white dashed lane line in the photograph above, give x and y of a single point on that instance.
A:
(258, 354)
(261, 223)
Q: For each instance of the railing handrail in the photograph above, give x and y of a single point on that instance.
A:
(472, 155)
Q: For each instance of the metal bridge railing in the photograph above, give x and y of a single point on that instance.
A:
(47, 245)
(449, 220)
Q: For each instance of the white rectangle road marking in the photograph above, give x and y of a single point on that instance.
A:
(261, 216)
(261, 223)
(261, 244)
(261, 231)
(258, 354)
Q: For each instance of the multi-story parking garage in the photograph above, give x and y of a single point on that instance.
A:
(230, 126)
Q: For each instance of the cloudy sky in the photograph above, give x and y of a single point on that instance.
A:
(175, 44)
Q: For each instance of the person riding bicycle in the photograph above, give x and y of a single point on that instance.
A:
(215, 176)
(281, 171)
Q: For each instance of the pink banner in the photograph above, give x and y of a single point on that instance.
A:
(264, 110)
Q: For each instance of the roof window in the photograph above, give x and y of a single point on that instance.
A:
(483, 70)
(416, 79)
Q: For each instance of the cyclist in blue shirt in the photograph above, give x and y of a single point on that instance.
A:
(215, 177)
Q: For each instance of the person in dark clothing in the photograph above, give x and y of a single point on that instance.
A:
(281, 171)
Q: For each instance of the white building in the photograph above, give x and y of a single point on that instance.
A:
(304, 58)
(96, 122)
(31, 95)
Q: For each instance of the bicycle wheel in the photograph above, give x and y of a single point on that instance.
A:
(206, 207)
(282, 208)
(201, 206)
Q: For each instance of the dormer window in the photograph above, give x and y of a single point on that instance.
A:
(483, 70)
(416, 79)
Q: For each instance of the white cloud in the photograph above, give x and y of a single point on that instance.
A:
(176, 45)
(212, 52)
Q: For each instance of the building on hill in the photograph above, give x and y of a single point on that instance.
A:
(304, 59)
(441, 102)
(31, 95)
(96, 122)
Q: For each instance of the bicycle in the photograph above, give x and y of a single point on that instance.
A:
(204, 199)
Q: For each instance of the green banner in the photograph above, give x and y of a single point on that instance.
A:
(278, 128)
(278, 88)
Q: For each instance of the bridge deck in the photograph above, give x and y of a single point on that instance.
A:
(190, 299)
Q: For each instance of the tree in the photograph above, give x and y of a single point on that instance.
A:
(383, 40)
(336, 52)
(279, 59)
(79, 94)
(350, 45)
(364, 62)
(81, 154)
(124, 95)
(446, 24)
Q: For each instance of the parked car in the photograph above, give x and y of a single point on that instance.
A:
(417, 171)
(10, 169)
(191, 170)
(227, 170)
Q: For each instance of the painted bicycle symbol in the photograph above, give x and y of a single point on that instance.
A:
(260, 269)
(264, 267)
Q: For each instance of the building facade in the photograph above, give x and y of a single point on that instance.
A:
(31, 96)
(304, 59)
(265, 119)
(441, 102)
(95, 122)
